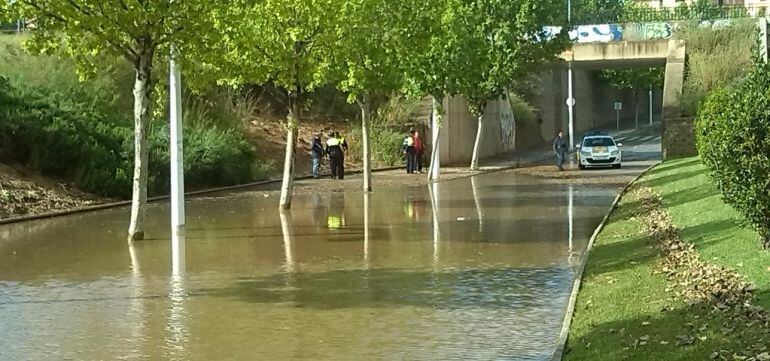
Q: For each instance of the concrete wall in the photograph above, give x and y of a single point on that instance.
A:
(459, 131)
(678, 138)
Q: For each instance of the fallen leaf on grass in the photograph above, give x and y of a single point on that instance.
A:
(645, 323)
(684, 340)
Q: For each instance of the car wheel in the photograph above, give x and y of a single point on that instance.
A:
(581, 167)
(616, 166)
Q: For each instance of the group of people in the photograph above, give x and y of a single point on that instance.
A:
(335, 149)
(336, 146)
(413, 149)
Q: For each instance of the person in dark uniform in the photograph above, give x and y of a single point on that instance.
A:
(560, 148)
(336, 156)
(316, 154)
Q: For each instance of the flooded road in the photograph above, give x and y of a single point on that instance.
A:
(471, 269)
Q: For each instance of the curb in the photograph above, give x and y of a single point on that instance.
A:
(558, 354)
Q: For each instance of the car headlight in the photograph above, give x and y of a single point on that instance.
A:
(585, 154)
(615, 152)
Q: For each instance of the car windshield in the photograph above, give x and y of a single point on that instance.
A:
(598, 142)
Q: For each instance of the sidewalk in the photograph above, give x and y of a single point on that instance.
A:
(398, 177)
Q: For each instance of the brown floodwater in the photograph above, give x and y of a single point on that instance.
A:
(471, 269)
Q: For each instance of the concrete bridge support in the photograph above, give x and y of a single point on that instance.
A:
(678, 138)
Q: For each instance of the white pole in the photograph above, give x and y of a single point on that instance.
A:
(569, 10)
(570, 217)
(175, 143)
(366, 229)
(650, 106)
(570, 105)
(435, 127)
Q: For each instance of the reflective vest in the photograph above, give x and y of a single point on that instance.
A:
(333, 142)
(335, 222)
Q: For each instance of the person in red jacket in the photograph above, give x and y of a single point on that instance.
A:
(418, 150)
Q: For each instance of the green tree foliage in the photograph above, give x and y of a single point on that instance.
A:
(377, 35)
(496, 42)
(287, 42)
(636, 80)
(733, 139)
(136, 31)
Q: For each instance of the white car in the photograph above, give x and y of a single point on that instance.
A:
(599, 150)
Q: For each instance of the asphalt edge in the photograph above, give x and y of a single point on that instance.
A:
(567, 321)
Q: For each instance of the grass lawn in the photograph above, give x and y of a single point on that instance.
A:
(625, 311)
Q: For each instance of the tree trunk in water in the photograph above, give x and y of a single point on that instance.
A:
(475, 158)
(513, 125)
(438, 113)
(367, 149)
(636, 106)
(142, 90)
(435, 163)
(287, 185)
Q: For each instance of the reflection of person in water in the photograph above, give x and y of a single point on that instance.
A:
(319, 211)
(335, 215)
(412, 208)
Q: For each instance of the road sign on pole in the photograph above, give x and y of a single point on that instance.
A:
(618, 108)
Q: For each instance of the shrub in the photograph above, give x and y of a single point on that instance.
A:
(386, 145)
(79, 143)
(715, 58)
(733, 139)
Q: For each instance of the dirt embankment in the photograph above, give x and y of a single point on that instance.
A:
(269, 139)
(27, 193)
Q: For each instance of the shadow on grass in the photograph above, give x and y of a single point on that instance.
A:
(661, 331)
(605, 258)
(688, 195)
(662, 180)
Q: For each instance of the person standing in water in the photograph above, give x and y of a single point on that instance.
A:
(316, 154)
(560, 148)
(409, 151)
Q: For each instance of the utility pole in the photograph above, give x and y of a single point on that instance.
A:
(177, 159)
(570, 97)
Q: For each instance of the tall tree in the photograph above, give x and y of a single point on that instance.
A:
(286, 42)
(500, 41)
(139, 31)
(377, 36)
(431, 70)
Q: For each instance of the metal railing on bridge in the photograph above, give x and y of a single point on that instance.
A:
(635, 15)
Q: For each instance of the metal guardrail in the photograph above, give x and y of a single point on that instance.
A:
(680, 13)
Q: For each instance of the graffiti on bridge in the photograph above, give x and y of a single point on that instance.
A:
(603, 33)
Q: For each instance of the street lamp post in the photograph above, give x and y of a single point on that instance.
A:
(175, 144)
(570, 97)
